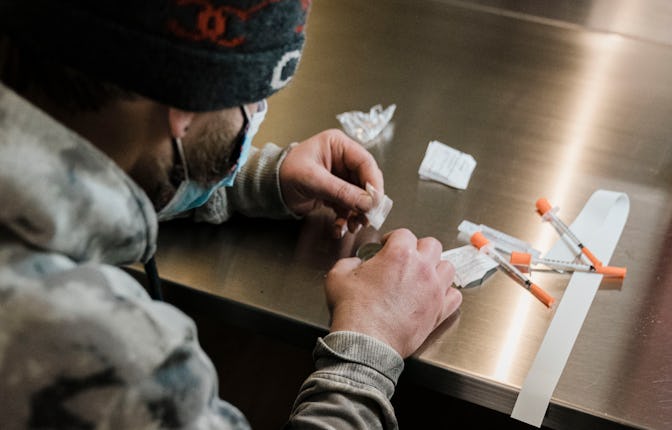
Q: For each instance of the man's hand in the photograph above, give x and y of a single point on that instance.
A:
(399, 296)
(332, 169)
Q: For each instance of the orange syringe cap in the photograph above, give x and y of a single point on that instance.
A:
(618, 272)
(543, 206)
(542, 295)
(478, 240)
(520, 258)
(596, 262)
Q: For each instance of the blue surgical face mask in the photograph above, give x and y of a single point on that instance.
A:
(191, 194)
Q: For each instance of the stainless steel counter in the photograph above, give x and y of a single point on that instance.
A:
(546, 111)
(645, 20)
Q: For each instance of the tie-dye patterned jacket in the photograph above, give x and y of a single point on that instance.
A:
(81, 344)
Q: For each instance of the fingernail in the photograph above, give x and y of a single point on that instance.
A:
(344, 229)
(340, 228)
(372, 193)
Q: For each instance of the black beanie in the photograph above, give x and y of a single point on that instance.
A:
(195, 55)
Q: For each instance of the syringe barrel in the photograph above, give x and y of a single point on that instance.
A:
(562, 228)
(562, 265)
(484, 245)
(508, 267)
(547, 213)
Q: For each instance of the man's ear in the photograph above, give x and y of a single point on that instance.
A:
(179, 122)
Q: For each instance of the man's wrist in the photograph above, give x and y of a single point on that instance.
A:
(361, 358)
(280, 185)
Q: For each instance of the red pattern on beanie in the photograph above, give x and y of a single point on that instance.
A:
(211, 21)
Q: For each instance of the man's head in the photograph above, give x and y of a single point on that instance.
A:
(198, 61)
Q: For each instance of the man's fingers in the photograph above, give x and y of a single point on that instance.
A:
(345, 265)
(336, 191)
(446, 273)
(452, 302)
(401, 238)
(340, 228)
(355, 158)
(357, 220)
(430, 247)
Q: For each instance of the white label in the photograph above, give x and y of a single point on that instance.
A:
(447, 165)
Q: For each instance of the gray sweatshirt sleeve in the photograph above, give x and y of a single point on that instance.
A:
(87, 348)
(352, 386)
(255, 192)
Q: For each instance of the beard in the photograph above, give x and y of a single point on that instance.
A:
(208, 151)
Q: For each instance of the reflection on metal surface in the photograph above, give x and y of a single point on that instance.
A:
(511, 341)
(588, 103)
(644, 20)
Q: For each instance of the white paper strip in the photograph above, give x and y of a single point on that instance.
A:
(598, 226)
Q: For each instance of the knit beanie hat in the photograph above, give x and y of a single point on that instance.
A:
(195, 55)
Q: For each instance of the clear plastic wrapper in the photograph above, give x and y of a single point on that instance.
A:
(365, 127)
(502, 241)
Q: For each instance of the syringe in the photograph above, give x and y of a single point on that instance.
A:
(525, 260)
(484, 245)
(547, 213)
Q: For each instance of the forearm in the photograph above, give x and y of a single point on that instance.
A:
(255, 193)
(352, 386)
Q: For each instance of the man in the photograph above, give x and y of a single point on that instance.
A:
(114, 111)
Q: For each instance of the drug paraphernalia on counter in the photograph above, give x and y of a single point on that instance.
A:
(502, 241)
(547, 213)
(479, 241)
(526, 262)
(526, 257)
(447, 165)
(378, 213)
(471, 266)
(599, 225)
(366, 126)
